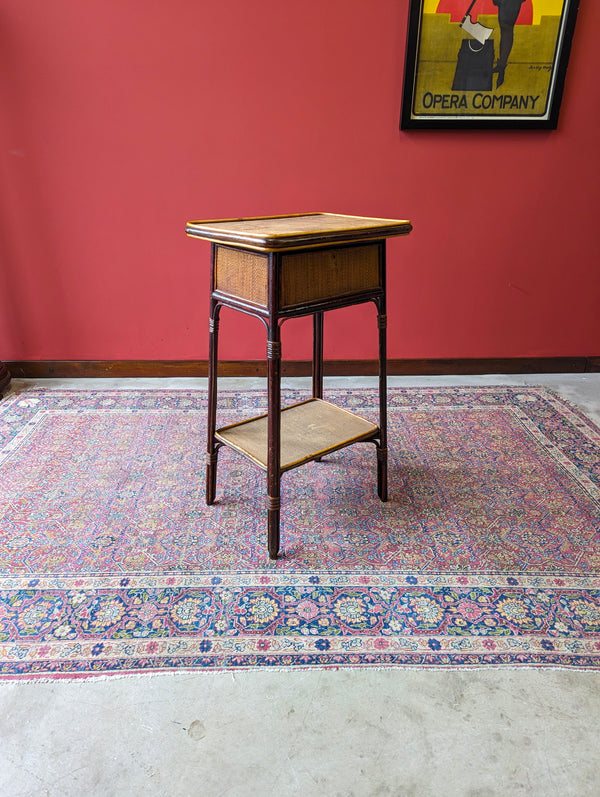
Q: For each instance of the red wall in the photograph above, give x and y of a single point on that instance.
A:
(123, 119)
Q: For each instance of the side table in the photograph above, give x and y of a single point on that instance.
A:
(281, 267)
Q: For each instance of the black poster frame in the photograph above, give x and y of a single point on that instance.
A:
(489, 108)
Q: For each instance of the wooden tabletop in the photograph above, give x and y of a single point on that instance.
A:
(273, 233)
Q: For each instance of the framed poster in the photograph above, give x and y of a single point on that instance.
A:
(486, 63)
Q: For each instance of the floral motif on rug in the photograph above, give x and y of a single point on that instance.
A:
(487, 553)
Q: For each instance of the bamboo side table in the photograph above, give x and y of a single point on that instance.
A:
(282, 267)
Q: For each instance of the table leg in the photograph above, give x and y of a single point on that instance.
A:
(317, 363)
(317, 360)
(211, 448)
(382, 451)
(274, 438)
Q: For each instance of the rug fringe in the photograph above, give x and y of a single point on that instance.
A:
(234, 673)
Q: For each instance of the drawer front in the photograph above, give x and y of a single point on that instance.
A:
(323, 274)
(243, 275)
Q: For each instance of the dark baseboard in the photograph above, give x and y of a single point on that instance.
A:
(69, 369)
(4, 378)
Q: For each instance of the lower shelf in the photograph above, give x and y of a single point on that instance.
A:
(309, 430)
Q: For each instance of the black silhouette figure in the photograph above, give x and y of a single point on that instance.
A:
(508, 11)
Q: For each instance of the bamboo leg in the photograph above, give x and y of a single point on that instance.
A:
(382, 451)
(211, 448)
(274, 439)
(317, 363)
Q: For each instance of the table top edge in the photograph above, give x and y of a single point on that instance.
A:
(216, 230)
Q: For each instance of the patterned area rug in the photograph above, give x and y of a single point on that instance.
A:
(487, 553)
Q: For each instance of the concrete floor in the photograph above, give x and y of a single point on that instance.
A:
(475, 733)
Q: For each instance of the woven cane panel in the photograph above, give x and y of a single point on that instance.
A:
(328, 273)
(242, 274)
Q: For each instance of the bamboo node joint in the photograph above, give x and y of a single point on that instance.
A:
(274, 349)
